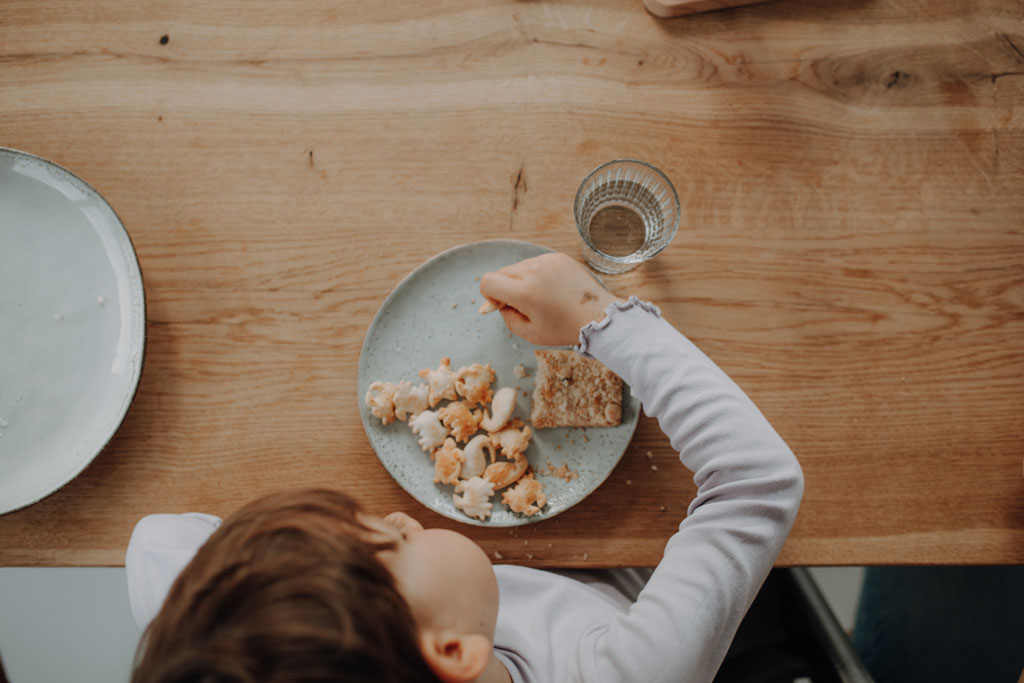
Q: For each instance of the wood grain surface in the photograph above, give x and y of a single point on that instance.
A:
(675, 8)
(851, 175)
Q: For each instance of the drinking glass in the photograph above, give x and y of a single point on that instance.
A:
(626, 212)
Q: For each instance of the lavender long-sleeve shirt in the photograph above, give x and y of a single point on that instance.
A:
(557, 629)
(554, 629)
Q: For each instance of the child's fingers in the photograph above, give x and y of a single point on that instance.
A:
(403, 522)
(502, 288)
(513, 270)
(516, 270)
(513, 317)
(516, 322)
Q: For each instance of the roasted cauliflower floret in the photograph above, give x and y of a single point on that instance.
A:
(476, 459)
(473, 383)
(380, 399)
(458, 418)
(526, 497)
(430, 430)
(515, 438)
(475, 498)
(410, 399)
(441, 382)
(502, 405)
(506, 472)
(448, 461)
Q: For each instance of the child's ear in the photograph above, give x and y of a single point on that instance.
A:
(455, 658)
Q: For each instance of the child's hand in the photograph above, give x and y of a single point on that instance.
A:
(547, 299)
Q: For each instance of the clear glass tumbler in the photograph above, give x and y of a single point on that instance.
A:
(626, 212)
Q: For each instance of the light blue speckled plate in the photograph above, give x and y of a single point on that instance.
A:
(432, 313)
(72, 326)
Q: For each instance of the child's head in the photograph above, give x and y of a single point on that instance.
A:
(304, 586)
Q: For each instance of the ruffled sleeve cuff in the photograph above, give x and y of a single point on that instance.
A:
(611, 313)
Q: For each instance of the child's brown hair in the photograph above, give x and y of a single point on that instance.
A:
(287, 589)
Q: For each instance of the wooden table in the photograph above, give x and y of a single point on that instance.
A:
(852, 248)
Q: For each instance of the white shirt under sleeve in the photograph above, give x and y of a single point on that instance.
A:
(160, 547)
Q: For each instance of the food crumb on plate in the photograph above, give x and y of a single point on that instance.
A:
(101, 300)
(520, 372)
(58, 318)
(562, 472)
(455, 304)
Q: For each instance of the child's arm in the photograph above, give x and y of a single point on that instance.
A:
(749, 482)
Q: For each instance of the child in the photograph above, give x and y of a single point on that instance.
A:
(306, 586)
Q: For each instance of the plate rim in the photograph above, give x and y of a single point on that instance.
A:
(466, 519)
(137, 370)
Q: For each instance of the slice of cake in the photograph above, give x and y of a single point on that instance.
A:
(572, 391)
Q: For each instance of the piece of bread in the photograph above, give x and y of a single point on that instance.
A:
(572, 391)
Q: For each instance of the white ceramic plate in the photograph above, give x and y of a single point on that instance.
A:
(72, 326)
(432, 313)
